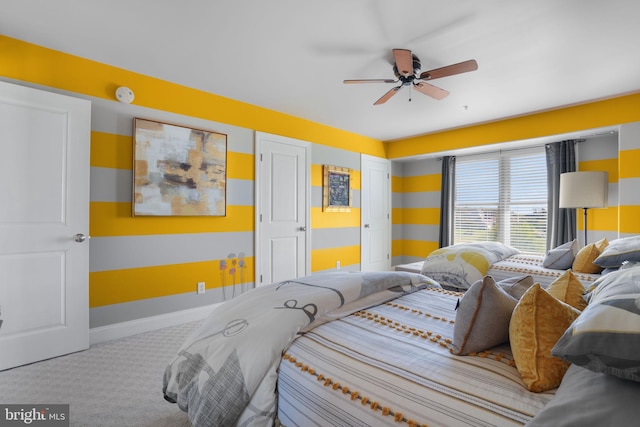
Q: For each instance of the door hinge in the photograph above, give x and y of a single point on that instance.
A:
(260, 217)
(261, 278)
(260, 156)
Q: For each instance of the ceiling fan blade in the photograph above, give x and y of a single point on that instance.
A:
(404, 61)
(369, 81)
(384, 98)
(450, 70)
(431, 90)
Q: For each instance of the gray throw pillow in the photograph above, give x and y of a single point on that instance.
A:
(561, 258)
(516, 286)
(606, 336)
(482, 318)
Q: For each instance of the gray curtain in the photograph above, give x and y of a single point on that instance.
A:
(561, 223)
(446, 201)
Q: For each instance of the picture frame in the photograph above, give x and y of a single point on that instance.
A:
(336, 189)
(178, 170)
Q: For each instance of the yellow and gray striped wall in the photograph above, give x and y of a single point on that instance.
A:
(618, 154)
(142, 267)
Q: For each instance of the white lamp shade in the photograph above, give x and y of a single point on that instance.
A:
(584, 190)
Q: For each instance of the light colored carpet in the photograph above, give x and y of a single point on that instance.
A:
(117, 383)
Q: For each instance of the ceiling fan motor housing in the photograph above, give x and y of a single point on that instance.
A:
(416, 70)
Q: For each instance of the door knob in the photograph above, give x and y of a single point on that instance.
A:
(79, 237)
(303, 228)
(366, 226)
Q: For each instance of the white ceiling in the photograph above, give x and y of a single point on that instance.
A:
(292, 55)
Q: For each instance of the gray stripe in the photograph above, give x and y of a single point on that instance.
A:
(417, 167)
(115, 185)
(325, 155)
(115, 253)
(599, 148)
(116, 118)
(316, 197)
(422, 232)
(424, 199)
(628, 189)
(110, 185)
(324, 238)
(134, 310)
(405, 259)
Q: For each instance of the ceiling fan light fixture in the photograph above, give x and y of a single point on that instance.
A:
(405, 61)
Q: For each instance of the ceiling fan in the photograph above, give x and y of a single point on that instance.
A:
(407, 70)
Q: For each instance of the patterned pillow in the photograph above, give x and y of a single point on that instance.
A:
(606, 336)
(561, 258)
(619, 250)
(537, 322)
(585, 258)
(516, 286)
(568, 289)
(461, 265)
(482, 319)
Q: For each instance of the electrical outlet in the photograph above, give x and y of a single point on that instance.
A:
(201, 288)
(337, 265)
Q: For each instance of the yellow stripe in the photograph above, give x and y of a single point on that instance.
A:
(114, 219)
(119, 286)
(629, 219)
(321, 219)
(396, 184)
(325, 259)
(32, 63)
(600, 219)
(629, 161)
(414, 184)
(606, 165)
(356, 179)
(430, 216)
(111, 151)
(413, 248)
(240, 166)
(608, 112)
(317, 174)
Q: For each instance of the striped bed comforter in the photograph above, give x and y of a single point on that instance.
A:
(391, 365)
(528, 264)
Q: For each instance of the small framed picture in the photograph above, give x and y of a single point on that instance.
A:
(336, 189)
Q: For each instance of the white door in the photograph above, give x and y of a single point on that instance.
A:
(282, 206)
(375, 252)
(44, 182)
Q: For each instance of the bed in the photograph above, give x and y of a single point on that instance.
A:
(395, 348)
(392, 365)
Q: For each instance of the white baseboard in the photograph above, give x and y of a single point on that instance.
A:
(138, 326)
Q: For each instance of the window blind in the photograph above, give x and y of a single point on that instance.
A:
(502, 197)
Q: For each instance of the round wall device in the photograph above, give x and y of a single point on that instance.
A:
(124, 95)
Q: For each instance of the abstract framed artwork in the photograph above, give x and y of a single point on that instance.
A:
(178, 170)
(336, 189)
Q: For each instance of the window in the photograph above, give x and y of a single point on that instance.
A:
(502, 197)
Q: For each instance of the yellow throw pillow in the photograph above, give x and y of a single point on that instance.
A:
(568, 289)
(584, 260)
(538, 321)
(601, 244)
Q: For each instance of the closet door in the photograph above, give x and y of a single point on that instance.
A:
(375, 247)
